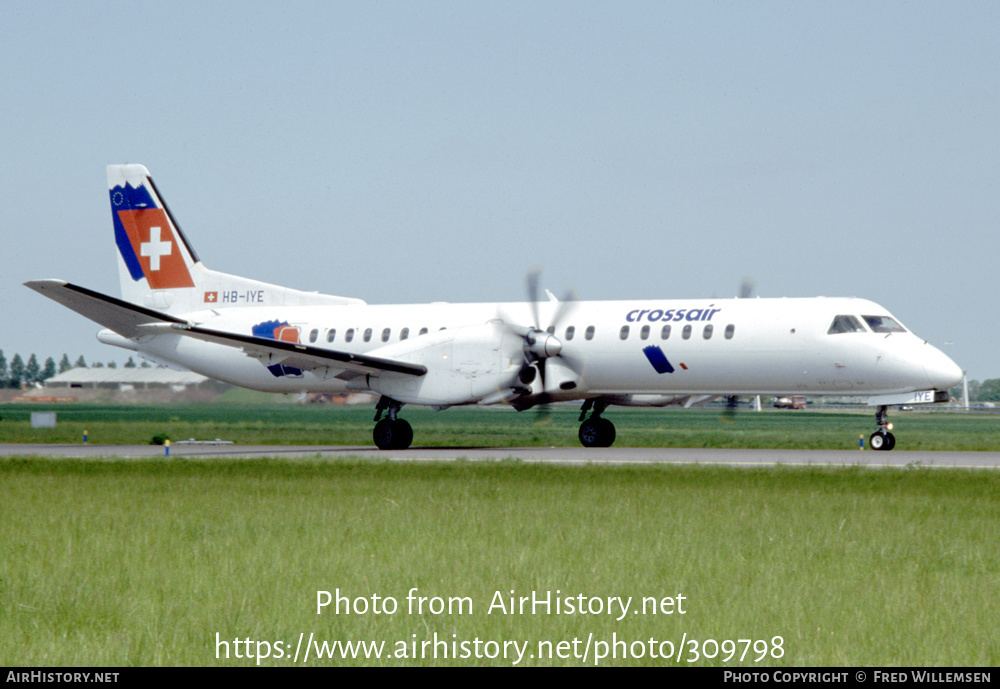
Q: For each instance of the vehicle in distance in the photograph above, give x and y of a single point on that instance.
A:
(792, 402)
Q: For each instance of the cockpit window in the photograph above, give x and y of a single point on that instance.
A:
(883, 324)
(845, 324)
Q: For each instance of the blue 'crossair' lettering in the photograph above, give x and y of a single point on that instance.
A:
(661, 315)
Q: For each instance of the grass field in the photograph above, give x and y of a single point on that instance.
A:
(293, 424)
(145, 562)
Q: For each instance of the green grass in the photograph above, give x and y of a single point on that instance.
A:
(143, 562)
(295, 424)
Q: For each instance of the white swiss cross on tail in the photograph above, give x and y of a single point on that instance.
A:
(154, 248)
(150, 234)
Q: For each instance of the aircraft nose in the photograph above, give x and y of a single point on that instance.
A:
(942, 372)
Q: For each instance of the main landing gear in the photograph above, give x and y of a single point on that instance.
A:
(595, 431)
(391, 433)
(882, 439)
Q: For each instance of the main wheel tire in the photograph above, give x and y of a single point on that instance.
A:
(384, 434)
(608, 433)
(392, 435)
(590, 434)
(597, 433)
(404, 435)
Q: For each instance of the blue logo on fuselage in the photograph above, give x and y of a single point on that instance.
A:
(658, 359)
(271, 330)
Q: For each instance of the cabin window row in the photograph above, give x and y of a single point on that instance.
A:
(366, 336)
(350, 333)
(686, 332)
(570, 333)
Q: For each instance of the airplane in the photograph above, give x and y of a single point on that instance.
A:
(175, 311)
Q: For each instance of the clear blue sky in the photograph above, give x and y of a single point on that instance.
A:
(429, 151)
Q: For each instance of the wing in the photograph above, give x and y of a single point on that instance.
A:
(133, 321)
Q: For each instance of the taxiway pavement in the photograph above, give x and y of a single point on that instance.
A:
(554, 455)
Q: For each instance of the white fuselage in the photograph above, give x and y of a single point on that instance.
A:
(712, 347)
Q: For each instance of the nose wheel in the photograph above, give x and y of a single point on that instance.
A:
(882, 439)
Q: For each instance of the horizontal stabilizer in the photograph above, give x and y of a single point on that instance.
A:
(121, 316)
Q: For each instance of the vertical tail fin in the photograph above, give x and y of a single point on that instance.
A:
(154, 254)
(159, 269)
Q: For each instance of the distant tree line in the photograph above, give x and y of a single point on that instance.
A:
(986, 391)
(17, 373)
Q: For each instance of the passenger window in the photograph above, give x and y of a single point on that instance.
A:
(385, 334)
(589, 334)
(845, 324)
(707, 332)
(665, 332)
(368, 335)
(423, 331)
(313, 334)
(349, 335)
(623, 333)
(331, 334)
(570, 332)
(644, 333)
(686, 333)
(883, 324)
(404, 333)
(730, 331)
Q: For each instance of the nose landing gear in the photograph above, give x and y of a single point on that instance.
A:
(882, 439)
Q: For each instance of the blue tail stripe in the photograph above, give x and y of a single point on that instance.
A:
(124, 199)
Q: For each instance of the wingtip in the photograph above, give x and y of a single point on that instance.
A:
(39, 285)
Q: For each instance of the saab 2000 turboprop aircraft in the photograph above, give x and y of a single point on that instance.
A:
(173, 310)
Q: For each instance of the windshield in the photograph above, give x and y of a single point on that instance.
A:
(845, 324)
(883, 324)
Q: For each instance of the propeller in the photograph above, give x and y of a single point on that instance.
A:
(729, 413)
(543, 350)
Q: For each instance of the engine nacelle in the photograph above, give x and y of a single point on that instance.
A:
(464, 366)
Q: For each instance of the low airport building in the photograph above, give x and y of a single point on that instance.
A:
(140, 384)
(125, 379)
